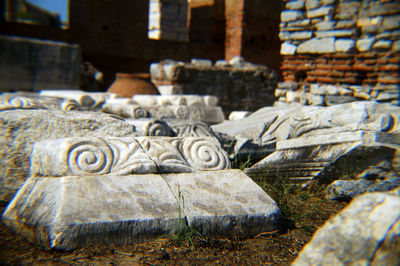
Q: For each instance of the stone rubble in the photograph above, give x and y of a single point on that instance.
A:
(366, 232)
(308, 144)
(86, 177)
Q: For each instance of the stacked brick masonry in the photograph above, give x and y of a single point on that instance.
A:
(341, 42)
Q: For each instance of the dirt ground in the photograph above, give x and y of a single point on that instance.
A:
(304, 212)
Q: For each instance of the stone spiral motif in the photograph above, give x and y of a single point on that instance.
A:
(158, 129)
(16, 103)
(139, 112)
(90, 157)
(80, 156)
(69, 105)
(182, 112)
(204, 154)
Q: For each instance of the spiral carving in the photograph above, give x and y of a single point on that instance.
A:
(203, 154)
(139, 112)
(90, 157)
(158, 129)
(182, 112)
(69, 105)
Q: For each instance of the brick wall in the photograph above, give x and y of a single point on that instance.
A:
(354, 45)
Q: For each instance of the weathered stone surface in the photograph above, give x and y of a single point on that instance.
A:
(382, 44)
(119, 101)
(33, 64)
(290, 15)
(122, 156)
(288, 48)
(366, 232)
(391, 22)
(319, 12)
(186, 100)
(377, 178)
(334, 33)
(302, 22)
(237, 115)
(322, 135)
(190, 128)
(325, 25)
(125, 110)
(81, 97)
(317, 46)
(196, 111)
(151, 127)
(10, 101)
(170, 89)
(296, 35)
(225, 202)
(365, 44)
(201, 62)
(20, 129)
(71, 212)
(396, 46)
(207, 114)
(297, 4)
(345, 45)
(312, 4)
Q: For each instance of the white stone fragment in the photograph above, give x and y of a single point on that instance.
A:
(170, 89)
(391, 22)
(317, 46)
(332, 90)
(364, 233)
(201, 62)
(344, 45)
(382, 44)
(125, 110)
(313, 4)
(325, 25)
(396, 46)
(279, 93)
(187, 100)
(365, 44)
(237, 115)
(334, 33)
(297, 4)
(299, 23)
(319, 12)
(291, 15)
(81, 97)
(120, 101)
(288, 49)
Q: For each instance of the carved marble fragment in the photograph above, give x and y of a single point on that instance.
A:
(72, 212)
(141, 155)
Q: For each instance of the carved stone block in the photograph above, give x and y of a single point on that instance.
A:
(141, 155)
(76, 211)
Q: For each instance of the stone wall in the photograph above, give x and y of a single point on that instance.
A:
(354, 45)
(31, 64)
(239, 85)
(113, 35)
(168, 20)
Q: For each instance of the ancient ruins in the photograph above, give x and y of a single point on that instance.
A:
(80, 166)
